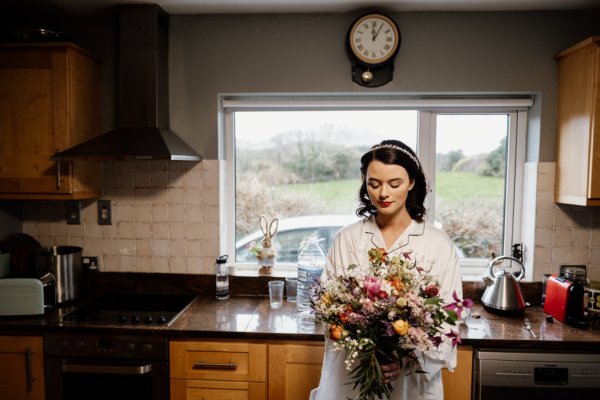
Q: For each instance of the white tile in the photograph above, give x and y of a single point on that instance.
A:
(562, 237)
(177, 265)
(543, 237)
(61, 228)
(211, 214)
(160, 264)
(126, 230)
(545, 219)
(195, 214)
(160, 213)
(194, 231)
(581, 237)
(194, 196)
(125, 213)
(142, 196)
(92, 229)
(561, 255)
(193, 178)
(109, 263)
(127, 247)
(176, 195)
(194, 265)
(580, 255)
(563, 218)
(595, 255)
(176, 213)
(543, 254)
(176, 248)
(143, 247)
(177, 230)
(127, 264)
(160, 230)
(143, 213)
(110, 247)
(160, 247)
(211, 197)
(143, 230)
(210, 179)
(75, 231)
(194, 248)
(144, 264)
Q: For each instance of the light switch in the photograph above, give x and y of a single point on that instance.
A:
(104, 212)
(73, 212)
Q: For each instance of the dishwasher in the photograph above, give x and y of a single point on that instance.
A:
(527, 375)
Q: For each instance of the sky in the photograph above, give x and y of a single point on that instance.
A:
(473, 134)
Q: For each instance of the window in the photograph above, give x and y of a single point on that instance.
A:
(298, 159)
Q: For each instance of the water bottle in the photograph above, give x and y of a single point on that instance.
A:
(221, 278)
(311, 260)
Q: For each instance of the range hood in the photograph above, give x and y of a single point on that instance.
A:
(142, 131)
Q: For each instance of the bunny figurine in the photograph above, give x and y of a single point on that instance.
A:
(266, 254)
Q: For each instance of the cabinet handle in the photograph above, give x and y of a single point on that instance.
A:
(203, 365)
(28, 369)
(58, 175)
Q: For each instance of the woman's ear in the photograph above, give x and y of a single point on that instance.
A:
(412, 184)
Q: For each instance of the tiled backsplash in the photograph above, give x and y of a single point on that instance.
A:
(166, 219)
(557, 233)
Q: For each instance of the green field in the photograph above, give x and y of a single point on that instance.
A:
(452, 188)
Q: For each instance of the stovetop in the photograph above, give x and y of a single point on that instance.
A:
(132, 308)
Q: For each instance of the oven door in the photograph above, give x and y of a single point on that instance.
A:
(96, 379)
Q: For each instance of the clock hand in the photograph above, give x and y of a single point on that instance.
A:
(379, 30)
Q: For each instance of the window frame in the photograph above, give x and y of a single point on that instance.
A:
(428, 108)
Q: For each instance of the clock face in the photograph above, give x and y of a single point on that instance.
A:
(374, 39)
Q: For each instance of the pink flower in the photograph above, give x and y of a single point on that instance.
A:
(455, 336)
(372, 287)
(459, 305)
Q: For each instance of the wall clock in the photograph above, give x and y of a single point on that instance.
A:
(372, 42)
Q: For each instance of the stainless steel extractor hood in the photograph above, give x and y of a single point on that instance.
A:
(142, 131)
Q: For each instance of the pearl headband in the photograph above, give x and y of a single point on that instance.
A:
(400, 149)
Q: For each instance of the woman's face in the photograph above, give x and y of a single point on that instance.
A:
(388, 186)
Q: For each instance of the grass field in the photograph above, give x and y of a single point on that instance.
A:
(453, 188)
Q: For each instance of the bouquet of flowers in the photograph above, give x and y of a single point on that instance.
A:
(382, 314)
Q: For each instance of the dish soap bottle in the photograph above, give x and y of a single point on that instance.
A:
(311, 261)
(221, 278)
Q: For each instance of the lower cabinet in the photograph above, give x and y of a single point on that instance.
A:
(219, 370)
(457, 384)
(21, 368)
(294, 370)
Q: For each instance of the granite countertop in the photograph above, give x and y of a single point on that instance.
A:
(251, 318)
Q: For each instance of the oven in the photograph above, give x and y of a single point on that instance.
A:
(525, 375)
(95, 365)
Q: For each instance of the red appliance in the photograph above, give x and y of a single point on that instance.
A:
(557, 296)
(566, 300)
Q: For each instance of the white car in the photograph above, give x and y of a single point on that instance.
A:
(291, 232)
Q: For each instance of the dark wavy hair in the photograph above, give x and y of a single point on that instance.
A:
(389, 155)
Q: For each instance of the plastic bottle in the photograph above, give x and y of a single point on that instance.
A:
(221, 278)
(311, 260)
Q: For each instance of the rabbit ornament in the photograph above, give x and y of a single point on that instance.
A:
(266, 254)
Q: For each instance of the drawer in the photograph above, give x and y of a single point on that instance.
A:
(231, 361)
(216, 390)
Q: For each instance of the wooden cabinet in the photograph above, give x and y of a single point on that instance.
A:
(578, 125)
(218, 370)
(21, 368)
(49, 101)
(294, 370)
(458, 384)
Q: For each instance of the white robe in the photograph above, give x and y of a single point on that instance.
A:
(430, 247)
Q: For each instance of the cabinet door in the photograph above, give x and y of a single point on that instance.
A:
(21, 368)
(457, 384)
(294, 370)
(216, 390)
(48, 102)
(578, 125)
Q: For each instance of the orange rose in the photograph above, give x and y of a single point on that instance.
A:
(400, 326)
(397, 283)
(335, 332)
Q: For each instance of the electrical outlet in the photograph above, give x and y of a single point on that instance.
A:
(90, 263)
(73, 212)
(104, 212)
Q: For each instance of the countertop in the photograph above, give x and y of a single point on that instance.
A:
(251, 318)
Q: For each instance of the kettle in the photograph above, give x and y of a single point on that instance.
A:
(503, 294)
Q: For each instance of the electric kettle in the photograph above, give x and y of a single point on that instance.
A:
(503, 294)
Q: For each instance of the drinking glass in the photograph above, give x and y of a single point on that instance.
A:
(276, 293)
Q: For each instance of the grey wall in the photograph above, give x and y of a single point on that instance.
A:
(440, 52)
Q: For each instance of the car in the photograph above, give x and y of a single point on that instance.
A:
(291, 233)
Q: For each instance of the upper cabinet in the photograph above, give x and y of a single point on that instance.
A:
(49, 101)
(578, 124)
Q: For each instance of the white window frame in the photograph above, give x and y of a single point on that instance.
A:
(428, 107)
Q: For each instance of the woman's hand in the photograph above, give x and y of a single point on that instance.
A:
(391, 372)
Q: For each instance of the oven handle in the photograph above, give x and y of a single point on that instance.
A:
(107, 369)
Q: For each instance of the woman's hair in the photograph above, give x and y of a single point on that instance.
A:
(395, 152)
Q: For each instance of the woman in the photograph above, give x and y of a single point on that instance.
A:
(392, 198)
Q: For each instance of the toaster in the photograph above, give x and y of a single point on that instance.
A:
(24, 295)
(566, 301)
